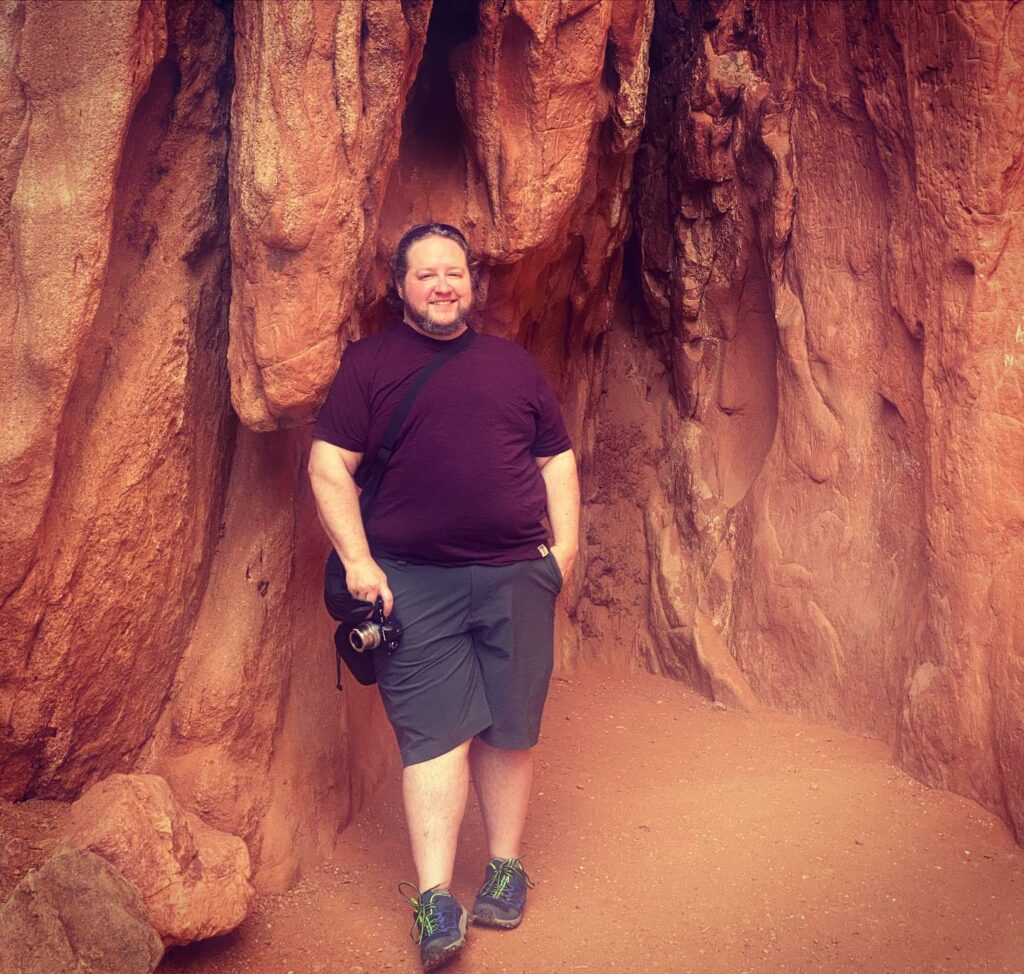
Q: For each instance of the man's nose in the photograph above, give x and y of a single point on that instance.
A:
(443, 285)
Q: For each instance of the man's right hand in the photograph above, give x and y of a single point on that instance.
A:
(366, 580)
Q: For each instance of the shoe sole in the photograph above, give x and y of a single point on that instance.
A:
(435, 958)
(490, 920)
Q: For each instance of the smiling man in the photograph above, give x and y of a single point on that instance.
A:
(455, 545)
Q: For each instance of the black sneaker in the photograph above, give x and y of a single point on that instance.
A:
(439, 926)
(502, 898)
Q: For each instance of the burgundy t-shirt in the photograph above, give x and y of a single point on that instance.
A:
(462, 486)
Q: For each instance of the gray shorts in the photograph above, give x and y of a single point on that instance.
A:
(475, 657)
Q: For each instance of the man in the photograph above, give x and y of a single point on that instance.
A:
(454, 544)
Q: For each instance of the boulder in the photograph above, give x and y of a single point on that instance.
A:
(193, 879)
(76, 915)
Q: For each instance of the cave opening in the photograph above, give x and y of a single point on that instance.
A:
(428, 181)
(432, 129)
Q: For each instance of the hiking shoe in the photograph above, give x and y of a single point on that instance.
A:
(439, 925)
(502, 898)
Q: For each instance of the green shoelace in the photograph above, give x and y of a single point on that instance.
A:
(502, 871)
(425, 920)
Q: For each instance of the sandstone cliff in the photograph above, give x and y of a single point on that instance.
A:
(765, 250)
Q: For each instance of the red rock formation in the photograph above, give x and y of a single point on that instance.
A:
(797, 397)
(256, 729)
(256, 738)
(117, 437)
(828, 239)
(520, 126)
(319, 91)
(193, 880)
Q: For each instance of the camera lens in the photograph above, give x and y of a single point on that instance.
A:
(365, 636)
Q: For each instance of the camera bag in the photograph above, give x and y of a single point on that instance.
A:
(344, 607)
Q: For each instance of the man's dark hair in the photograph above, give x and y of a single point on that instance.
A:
(399, 263)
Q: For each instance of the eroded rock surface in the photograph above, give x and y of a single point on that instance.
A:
(256, 739)
(76, 915)
(193, 880)
(767, 253)
(521, 124)
(829, 234)
(316, 117)
(117, 435)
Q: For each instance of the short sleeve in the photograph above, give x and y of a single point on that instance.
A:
(551, 438)
(344, 418)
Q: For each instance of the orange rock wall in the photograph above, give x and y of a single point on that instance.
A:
(766, 252)
(828, 210)
(117, 436)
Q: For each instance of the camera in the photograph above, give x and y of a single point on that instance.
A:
(378, 630)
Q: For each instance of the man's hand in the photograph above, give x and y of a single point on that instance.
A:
(566, 559)
(365, 579)
(562, 486)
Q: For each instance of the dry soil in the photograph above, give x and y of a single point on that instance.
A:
(667, 834)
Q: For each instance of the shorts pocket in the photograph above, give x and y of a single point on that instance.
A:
(555, 570)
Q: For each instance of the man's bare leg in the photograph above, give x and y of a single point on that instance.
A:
(502, 778)
(435, 794)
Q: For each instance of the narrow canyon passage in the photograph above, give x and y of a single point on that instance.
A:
(670, 835)
(768, 254)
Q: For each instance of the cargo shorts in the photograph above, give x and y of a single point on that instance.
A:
(475, 656)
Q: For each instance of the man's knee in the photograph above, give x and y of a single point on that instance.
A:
(454, 756)
(512, 755)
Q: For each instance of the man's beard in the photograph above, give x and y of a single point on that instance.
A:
(438, 328)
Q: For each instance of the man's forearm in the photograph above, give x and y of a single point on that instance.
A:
(337, 504)
(563, 503)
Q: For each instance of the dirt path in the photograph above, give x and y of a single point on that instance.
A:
(667, 835)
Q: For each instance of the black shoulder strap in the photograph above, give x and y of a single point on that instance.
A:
(387, 445)
(372, 478)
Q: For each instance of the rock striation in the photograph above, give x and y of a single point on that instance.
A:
(766, 251)
(316, 117)
(114, 392)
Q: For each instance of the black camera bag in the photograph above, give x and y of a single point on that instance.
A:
(344, 607)
(349, 612)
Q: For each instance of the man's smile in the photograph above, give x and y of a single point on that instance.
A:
(437, 289)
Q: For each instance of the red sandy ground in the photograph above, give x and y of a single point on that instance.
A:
(665, 835)
(668, 835)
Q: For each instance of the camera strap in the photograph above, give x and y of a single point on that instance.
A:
(370, 481)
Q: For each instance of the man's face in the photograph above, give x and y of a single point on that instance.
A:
(437, 290)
